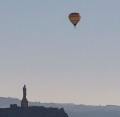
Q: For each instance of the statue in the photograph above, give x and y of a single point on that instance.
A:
(24, 102)
(24, 91)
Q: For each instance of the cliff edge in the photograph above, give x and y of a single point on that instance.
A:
(35, 111)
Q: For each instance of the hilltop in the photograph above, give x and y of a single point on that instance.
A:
(71, 109)
(32, 112)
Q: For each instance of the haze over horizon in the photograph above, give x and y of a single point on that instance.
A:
(40, 47)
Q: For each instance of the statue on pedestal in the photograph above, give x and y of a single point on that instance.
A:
(24, 102)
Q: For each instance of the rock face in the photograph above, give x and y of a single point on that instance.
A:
(32, 112)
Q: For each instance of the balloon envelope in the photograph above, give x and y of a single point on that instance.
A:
(74, 18)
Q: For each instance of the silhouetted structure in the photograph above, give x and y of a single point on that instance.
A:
(13, 106)
(16, 111)
(24, 102)
(32, 112)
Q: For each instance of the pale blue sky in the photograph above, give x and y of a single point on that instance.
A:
(40, 47)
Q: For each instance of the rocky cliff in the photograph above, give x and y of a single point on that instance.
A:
(14, 111)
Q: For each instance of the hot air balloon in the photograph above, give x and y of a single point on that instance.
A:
(74, 18)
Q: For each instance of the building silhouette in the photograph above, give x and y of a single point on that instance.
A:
(24, 102)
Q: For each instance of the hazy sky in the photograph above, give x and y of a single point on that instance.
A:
(40, 47)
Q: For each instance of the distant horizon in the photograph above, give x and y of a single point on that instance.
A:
(61, 102)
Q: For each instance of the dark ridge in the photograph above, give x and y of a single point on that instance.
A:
(35, 111)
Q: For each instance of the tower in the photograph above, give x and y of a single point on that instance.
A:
(24, 102)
